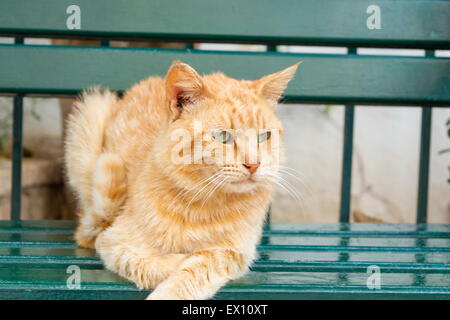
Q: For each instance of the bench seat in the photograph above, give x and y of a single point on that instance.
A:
(296, 261)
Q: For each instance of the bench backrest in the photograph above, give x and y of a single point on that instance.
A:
(335, 78)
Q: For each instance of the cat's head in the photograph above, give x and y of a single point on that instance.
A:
(223, 134)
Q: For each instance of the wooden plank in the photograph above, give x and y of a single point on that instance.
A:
(267, 293)
(259, 265)
(364, 256)
(37, 226)
(345, 248)
(53, 277)
(352, 228)
(321, 78)
(62, 255)
(274, 242)
(294, 284)
(37, 237)
(55, 239)
(345, 266)
(59, 228)
(404, 23)
(385, 241)
(361, 229)
(290, 247)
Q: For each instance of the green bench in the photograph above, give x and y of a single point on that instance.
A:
(319, 261)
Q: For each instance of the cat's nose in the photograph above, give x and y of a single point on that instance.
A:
(252, 167)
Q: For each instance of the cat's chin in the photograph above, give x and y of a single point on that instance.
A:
(242, 186)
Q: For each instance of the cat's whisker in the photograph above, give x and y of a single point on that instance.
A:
(198, 184)
(307, 188)
(217, 186)
(292, 169)
(296, 197)
(216, 183)
(285, 170)
(212, 186)
(287, 186)
(216, 177)
(185, 191)
(283, 183)
(278, 183)
(300, 203)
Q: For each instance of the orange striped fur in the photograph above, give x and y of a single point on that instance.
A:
(154, 221)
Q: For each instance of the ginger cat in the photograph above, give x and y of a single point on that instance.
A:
(182, 225)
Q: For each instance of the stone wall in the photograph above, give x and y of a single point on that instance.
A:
(42, 192)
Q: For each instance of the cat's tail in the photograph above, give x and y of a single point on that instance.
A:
(97, 178)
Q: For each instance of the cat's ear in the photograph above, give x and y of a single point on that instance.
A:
(272, 86)
(183, 86)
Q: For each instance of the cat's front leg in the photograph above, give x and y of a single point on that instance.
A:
(201, 275)
(143, 265)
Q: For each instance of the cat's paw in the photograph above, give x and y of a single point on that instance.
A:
(167, 291)
(163, 267)
(84, 239)
(161, 295)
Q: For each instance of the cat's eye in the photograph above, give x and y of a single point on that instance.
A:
(264, 136)
(222, 136)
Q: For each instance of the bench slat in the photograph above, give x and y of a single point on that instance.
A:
(290, 247)
(312, 265)
(62, 240)
(322, 78)
(315, 262)
(259, 265)
(59, 228)
(91, 277)
(25, 282)
(404, 23)
(17, 250)
(266, 293)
